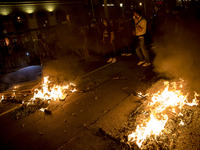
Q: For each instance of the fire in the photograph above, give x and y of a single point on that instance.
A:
(2, 98)
(46, 91)
(162, 104)
(49, 91)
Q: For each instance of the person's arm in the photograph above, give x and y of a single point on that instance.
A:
(140, 28)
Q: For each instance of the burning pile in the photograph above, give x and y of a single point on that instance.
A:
(50, 91)
(161, 115)
(46, 91)
(38, 97)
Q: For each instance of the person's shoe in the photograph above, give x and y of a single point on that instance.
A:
(114, 60)
(140, 63)
(128, 54)
(146, 64)
(109, 60)
(123, 54)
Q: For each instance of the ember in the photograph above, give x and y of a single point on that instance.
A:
(158, 118)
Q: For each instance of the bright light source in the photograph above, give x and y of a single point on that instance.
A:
(7, 41)
(140, 4)
(5, 11)
(29, 9)
(27, 54)
(109, 5)
(121, 4)
(50, 7)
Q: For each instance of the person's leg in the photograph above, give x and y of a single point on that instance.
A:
(108, 52)
(139, 52)
(144, 50)
(112, 53)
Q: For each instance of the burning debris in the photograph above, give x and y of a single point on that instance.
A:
(161, 117)
(2, 98)
(39, 97)
(46, 110)
(51, 91)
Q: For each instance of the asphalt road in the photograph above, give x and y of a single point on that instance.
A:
(105, 98)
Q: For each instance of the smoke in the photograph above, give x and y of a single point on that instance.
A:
(74, 38)
(65, 69)
(69, 48)
(177, 51)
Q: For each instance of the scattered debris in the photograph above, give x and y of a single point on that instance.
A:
(40, 133)
(73, 114)
(115, 78)
(63, 97)
(105, 111)
(106, 136)
(124, 88)
(86, 126)
(28, 108)
(47, 111)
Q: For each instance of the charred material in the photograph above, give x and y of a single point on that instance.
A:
(28, 108)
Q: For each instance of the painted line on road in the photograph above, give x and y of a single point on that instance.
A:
(95, 70)
(10, 110)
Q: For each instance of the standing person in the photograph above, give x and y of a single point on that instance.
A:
(108, 39)
(140, 31)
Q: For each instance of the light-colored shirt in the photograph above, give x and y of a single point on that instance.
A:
(143, 24)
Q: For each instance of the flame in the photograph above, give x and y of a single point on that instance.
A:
(152, 127)
(141, 95)
(42, 109)
(51, 92)
(181, 123)
(2, 98)
(162, 103)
